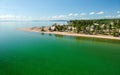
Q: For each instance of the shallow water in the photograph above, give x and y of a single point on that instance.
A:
(29, 53)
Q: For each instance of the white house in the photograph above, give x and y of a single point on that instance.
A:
(96, 24)
(53, 28)
(112, 23)
(70, 27)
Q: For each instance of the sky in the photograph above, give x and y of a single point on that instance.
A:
(58, 9)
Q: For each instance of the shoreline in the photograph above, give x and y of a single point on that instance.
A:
(70, 34)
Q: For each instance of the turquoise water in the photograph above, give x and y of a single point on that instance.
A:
(29, 53)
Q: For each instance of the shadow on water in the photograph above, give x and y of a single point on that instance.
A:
(50, 34)
(90, 39)
(97, 40)
(42, 33)
(59, 36)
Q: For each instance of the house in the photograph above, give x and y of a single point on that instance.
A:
(112, 23)
(52, 28)
(96, 24)
(70, 27)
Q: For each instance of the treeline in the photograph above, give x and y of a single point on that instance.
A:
(102, 26)
(93, 27)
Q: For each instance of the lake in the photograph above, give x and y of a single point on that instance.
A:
(30, 53)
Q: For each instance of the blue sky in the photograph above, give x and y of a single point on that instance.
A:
(58, 9)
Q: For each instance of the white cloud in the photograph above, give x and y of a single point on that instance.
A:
(118, 12)
(100, 13)
(84, 18)
(111, 16)
(108, 16)
(48, 17)
(58, 17)
(7, 16)
(76, 14)
(71, 14)
(62, 16)
(83, 14)
(92, 13)
(14, 17)
(118, 16)
(54, 17)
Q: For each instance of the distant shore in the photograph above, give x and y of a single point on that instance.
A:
(69, 33)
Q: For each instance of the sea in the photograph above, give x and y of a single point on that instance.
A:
(31, 53)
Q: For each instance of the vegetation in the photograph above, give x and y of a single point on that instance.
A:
(101, 26)
(42, 29)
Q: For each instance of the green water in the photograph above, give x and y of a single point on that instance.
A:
(29, 53)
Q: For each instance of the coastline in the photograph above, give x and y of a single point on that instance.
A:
(70, 34)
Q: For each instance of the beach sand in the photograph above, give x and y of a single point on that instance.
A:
(70, 34)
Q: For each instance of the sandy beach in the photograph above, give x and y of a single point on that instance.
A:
(70, 34)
